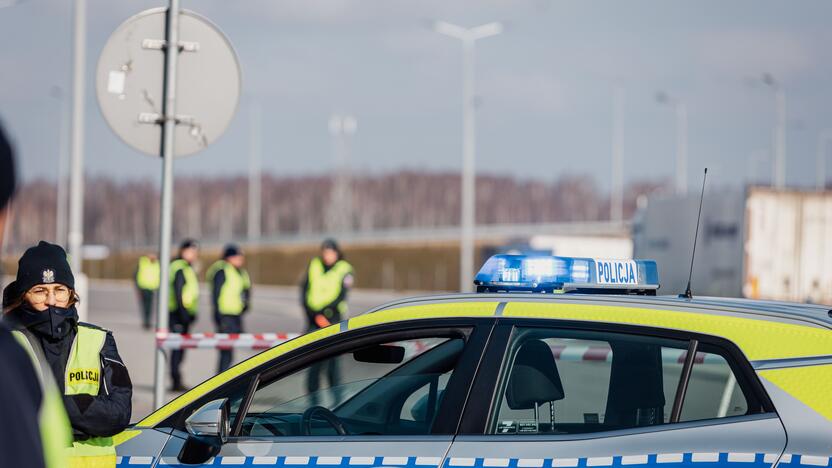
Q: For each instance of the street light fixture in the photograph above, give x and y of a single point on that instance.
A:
(681, 110)
(468, 36)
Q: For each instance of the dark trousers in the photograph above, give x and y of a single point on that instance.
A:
(177, 356)
(146, 296)
(228, 324)
(333, 374)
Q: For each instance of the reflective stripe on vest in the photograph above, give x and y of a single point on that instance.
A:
(147, 276)
(190, 290)
(325, 286)
(236, 282)
(83, 368)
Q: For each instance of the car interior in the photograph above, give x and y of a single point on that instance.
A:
(405, 401)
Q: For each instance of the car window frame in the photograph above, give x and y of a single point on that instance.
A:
(479, 331)
(477, 418)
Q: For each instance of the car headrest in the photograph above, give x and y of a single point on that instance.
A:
(534, 378)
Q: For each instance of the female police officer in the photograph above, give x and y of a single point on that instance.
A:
(83, 358)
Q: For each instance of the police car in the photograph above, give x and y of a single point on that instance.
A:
(555, 363)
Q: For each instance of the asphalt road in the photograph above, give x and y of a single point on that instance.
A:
(114, 305)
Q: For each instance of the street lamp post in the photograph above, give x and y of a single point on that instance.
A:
(340, 218)
(255, 178)
(681, 110)
(61, 195)
(75, 236)
(468, 36)
(617, 179)
(779, 169)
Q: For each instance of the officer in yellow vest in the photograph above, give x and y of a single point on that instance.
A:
(182, 303)
(324, 296)
(40, 403)
(83, 358)
(230, 296)
(147, 284)
(37, 432)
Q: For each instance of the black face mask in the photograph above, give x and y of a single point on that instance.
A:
(54, 323)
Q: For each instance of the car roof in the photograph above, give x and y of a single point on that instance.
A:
(819, 314)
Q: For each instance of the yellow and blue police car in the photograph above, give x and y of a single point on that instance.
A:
(555, 363)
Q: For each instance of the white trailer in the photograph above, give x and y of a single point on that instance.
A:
(759, 243)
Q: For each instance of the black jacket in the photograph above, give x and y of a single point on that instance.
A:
(180, 314)
(105, 414)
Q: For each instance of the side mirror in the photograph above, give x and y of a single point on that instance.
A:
(210, 421)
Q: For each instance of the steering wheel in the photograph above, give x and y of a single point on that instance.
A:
(326, 415)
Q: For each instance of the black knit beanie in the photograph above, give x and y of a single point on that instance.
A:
(231, 250)
(43, 264)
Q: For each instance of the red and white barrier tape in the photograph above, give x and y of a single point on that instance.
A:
(575, 353)
(248, 341)
(222, 340)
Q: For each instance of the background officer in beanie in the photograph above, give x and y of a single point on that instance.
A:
(38, 431)
(147, 284)
(230, 296)
(183, 301)
(83, 358)
(324, 298)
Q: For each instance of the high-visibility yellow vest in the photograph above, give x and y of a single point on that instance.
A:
(190, 290)
(148, 275)
(83, 368)
(83, 377)
(55, 430)
(236, 282)
(325, 286)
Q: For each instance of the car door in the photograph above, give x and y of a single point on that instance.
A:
(558, 394)
(389, 395)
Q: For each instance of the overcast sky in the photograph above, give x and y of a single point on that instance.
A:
(545, 86)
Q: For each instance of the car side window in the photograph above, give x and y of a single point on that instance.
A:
(713, 391)
(574, 382)
(390, 388)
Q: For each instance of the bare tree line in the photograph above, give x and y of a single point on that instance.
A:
(126, 213)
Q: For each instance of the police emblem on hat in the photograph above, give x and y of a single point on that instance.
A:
(48, 276)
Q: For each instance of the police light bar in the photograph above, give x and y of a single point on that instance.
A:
(550, 274)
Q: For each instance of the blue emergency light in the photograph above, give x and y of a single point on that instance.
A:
(550, 274)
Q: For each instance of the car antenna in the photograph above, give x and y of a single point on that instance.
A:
(688, 294)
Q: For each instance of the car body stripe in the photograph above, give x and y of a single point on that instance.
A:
(676, 460)
(439, 310)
